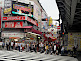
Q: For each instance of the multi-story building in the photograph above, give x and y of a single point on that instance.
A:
(21, 20)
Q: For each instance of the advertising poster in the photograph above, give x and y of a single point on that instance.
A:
(74, 39)
(7, 6)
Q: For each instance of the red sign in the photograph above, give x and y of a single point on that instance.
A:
(14, 18)
(13, 24)
(32, 21)
(20, 18)
(58, 27)
(0, 16)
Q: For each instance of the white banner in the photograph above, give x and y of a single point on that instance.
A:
(13, 35)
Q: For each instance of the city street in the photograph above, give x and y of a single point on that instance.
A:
(27, 56)
(49, 28)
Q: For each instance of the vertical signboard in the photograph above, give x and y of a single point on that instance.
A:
(36, 12)
(2, 3)
(7, 6)
(0, 16)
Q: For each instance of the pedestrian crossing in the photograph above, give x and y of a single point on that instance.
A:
(31, 56)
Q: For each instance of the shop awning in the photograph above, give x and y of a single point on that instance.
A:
(32, 30)
(36, 31)
(51, 37)
(28, 27)
(14, 37)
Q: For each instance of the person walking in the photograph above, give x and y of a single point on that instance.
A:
(27, 47)
(12, 45)
(39, 47)
(34, 47)
(7, 44)
(23, 45)
(50, 49)
(42, 47)
(19, 46)
(62, 50)
(3, 44)
(46, 47)
(54, 48)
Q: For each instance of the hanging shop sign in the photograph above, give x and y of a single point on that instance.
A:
(14, 18)
(13, 24)
(32, 21)
(7, 6)
(12, 34)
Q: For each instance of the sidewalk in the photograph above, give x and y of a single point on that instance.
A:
(79, 56)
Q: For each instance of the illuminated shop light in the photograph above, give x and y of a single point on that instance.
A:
(21, 13)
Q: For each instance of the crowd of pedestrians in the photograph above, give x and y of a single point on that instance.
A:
(47, 48)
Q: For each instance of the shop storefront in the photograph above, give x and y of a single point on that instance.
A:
(20, 23)
(12, 36)
(31, 34)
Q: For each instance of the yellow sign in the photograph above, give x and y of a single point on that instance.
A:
(54, 25)
(7, 10)
(50, 21)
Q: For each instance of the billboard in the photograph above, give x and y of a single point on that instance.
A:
(22, 9)
(7, 6)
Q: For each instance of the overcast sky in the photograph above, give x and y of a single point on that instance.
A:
(50, 7)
